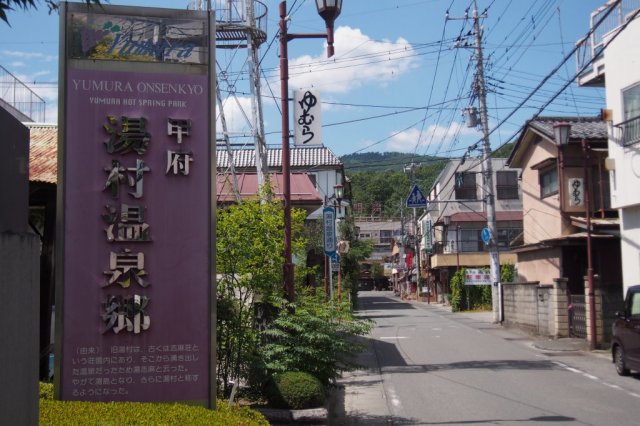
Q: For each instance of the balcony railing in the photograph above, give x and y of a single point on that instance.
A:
(629, 131)
(592, 46)
(16, 94)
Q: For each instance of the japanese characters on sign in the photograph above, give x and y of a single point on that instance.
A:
(136, 238)
(477, 277)
(307, 118)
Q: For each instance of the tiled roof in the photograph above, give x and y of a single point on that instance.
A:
(303, 190)
(581, 127)
(43, 153)
(299, 157)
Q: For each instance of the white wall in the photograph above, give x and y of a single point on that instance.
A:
(622, 68)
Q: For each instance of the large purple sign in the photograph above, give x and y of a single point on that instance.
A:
(136, 237)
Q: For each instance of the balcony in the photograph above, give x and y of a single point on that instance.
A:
(591, 48)
(629, 131)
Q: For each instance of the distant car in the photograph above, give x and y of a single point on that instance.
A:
(625, 348)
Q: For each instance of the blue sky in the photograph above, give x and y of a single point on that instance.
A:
(396, 83)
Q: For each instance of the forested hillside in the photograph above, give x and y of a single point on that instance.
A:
(380, 185)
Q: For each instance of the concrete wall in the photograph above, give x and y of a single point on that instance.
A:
(537, 309)
(540, 265)
(19, 319)
(14, 174)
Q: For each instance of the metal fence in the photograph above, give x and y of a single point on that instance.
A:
(18, 95)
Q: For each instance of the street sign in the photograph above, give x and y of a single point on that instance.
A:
(486, 235)
(416, 198)
(329, 226)
(477, 277)
(335, 262)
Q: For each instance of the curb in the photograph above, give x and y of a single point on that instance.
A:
(309, 415)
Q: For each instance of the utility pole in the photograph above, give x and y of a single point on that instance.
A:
(487, 168)
(411, 168)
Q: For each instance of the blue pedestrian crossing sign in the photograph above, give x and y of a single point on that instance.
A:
(416, 198)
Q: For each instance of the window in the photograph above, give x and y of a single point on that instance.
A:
(386, 236)
(548, 182)
(470, 240)
(634, 306)
(506, 235)
(466, 186)
(507, 185)
(631, 126)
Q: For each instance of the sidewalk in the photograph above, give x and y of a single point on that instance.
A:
(361, 399)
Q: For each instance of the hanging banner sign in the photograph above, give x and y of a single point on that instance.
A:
(307, 115)
(576, 192)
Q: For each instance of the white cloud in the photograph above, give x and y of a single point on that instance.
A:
(359, 61)
(30, 55)
(234, 117)
(17, 64)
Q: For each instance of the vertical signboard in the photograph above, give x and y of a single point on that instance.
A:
(307, 118)
(135, 209)
(329, 228)
(576, 192)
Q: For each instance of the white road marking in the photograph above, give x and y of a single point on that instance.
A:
(595, 378)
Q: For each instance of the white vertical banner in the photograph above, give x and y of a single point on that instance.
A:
(307, 118)
(576, 192)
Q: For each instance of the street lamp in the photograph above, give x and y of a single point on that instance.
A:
(561, 133)
(329, 11)
(338, 191)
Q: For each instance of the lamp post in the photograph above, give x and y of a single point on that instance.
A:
(329, 11)
(587, 210)
(562, 132)
(338, 194)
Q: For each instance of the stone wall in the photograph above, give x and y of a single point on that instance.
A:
(537, 309)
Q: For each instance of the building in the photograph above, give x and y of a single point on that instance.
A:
(556, 243)
(608, 58)
(451, 226)
(315, 172)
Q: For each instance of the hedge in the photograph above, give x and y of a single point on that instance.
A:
(136, 413)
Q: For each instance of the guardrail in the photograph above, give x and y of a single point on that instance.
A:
(591, 47)
(19, 96)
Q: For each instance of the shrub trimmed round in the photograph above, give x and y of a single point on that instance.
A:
(296, 390)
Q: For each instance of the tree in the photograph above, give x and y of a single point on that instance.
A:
(249, 259)
(10, 5)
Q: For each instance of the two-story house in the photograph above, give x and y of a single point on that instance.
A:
(565, 188)
(609, 58)
(452, 224)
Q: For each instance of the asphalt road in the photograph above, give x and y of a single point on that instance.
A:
(425, 365)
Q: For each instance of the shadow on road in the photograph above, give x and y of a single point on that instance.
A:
(494, 365)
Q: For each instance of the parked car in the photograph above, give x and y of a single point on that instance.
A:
(625, 348)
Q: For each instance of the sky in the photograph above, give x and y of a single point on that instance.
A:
(400, 78)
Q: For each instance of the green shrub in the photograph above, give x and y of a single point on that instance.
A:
(56, 413)
(296, 390)
(46, 390)
(315, 337)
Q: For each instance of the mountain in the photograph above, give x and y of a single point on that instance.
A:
(384, 161)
